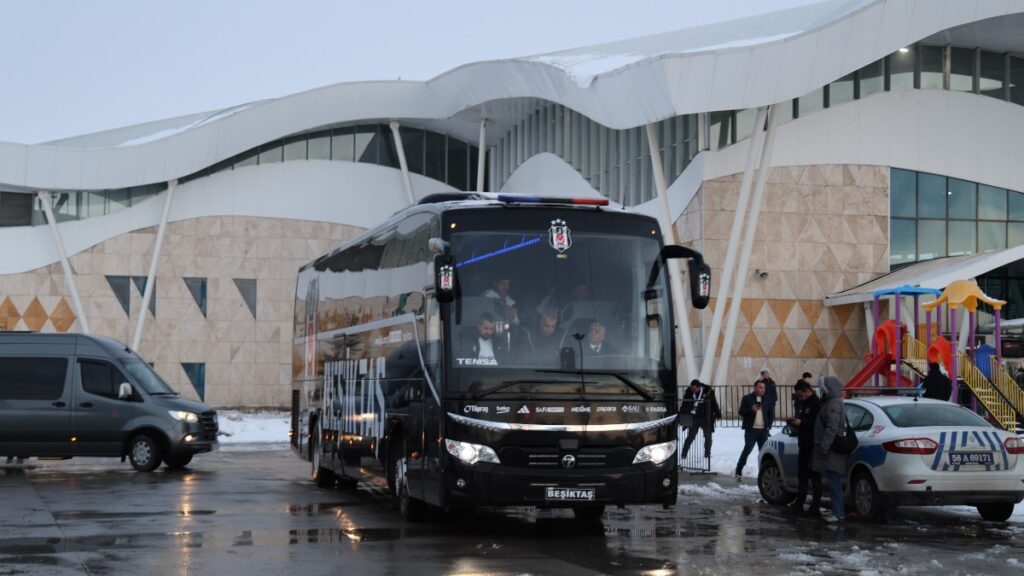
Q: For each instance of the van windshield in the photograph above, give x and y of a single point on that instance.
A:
(150, 381)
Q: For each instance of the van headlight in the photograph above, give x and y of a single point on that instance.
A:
(184, 416)
(656, 453)
(471, 453)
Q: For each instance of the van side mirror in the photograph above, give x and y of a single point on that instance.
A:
(445, 278)
(124, 392)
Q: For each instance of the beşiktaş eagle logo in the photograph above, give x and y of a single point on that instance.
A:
(447, 278)
(559, 236)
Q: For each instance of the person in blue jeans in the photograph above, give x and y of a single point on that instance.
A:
(830, 423)
(758, 412)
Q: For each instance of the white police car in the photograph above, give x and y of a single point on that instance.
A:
(912, 452)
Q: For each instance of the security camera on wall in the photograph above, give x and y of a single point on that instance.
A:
(761, 273)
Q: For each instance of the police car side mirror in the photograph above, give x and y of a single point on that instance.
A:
(444, 278)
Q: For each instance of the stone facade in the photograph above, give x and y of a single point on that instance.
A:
(246, 357)
(822, 229)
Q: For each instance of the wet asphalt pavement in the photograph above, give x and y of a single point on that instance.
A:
(255, 512)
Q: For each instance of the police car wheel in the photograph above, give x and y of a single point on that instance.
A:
(866, 497)
(997, 512)
(772, 485)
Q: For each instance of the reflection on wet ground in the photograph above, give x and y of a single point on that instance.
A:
(256, 513)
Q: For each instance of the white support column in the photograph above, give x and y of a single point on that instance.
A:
(69, 274)
(748, 242)
(711, 344)
(397, 134)
(481, 155)
(676, 277)
(147, 295)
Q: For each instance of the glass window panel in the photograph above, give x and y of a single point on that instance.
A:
(375, 145)
(117, 200)
(343, 145)
(931, 239)
(991, 203)
(1014, 234)
(458, 164)
(992, 75)
(745, 123)
(16, 209)
(962, 199)
(931, 196)
(991, 236)
(721, 128)
(903, 241)
(295, 150)
(841, 90)
(413, 143)
(931, 67)
(901, 68)
(270, 153)
(961, 69)
(962, 237)
(1017, 80)
(903, 199)
(320, 148)
(811, 103)
(872, 78)
(474, 161)
(1015, 208)
(435, 156)
(785, 111)
(247, 159)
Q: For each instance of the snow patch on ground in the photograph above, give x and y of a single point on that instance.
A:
(716, 490)
(259, 427)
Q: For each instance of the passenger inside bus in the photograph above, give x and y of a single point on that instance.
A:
(480, 343)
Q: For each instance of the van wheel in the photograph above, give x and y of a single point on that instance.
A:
(772, 485)
(998, 512)
(177, 461)
(144, 453)
(322, 477)
(867, 500)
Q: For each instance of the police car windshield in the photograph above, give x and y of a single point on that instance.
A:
(558, 297)
(923, 415)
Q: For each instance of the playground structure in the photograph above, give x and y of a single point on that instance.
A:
(901, 358)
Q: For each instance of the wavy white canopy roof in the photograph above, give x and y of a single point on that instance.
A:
(745, 63)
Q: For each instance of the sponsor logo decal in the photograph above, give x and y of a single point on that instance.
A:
(447, 278)
(523, 410)
(474, 409)
(630, 409)
(656, 409)
(502, 409)
(559, 236)
(550, 409)
(581, 409)
(601, 409)
(476, 361)
(568, 461)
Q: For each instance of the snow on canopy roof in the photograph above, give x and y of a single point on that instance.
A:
(585, 64)
(937, 274)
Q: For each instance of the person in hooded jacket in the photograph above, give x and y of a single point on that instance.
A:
(831, 422)
(936, 384)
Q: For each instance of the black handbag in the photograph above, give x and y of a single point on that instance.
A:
(846, 443)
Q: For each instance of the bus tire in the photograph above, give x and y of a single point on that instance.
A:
(322, 477)
(411, 509)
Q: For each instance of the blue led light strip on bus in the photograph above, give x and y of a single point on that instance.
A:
(499, 252)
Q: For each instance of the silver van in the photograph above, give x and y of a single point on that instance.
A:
(66, 395)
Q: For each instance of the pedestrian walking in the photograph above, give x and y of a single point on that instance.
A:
(831, 423)
(758, 412)
(701, 409)
(936, 384)
(808, 405)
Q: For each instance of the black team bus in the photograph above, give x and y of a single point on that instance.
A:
(490, 350)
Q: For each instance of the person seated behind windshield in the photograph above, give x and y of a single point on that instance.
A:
(595, 343)
(506, 306)
(481, 344)
(546, 338)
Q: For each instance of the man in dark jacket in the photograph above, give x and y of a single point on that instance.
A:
(936, 384)
(769, 385)
(700, 404)
(758, 412)
(807, 408)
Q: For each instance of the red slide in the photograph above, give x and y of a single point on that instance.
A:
(875, 365)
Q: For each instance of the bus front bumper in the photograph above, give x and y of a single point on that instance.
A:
(486, 484)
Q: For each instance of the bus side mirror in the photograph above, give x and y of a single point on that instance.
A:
(444, 278)
(700, 283)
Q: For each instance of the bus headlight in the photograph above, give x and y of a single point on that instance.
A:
(471, 453)
(656, 453)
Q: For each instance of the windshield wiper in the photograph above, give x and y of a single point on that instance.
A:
(622, 378)
(509, 383)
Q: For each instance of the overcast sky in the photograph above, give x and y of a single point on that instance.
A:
(72, 67)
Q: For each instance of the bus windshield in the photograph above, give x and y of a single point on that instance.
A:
(533, 299)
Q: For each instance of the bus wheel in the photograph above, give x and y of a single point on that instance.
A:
(323, 477)
(411, 509)
(588, 513)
